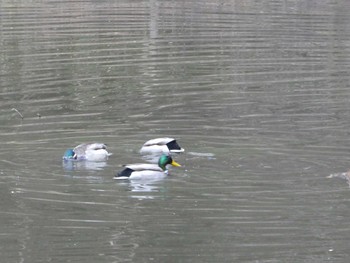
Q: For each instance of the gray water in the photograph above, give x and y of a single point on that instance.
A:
(257, 92)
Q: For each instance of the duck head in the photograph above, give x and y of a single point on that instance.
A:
(164, 160)
(69, 154)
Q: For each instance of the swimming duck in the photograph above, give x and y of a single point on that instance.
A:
(161, 145)
(146, 170)
(96, 152)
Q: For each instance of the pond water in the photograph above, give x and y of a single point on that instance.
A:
(257, 92)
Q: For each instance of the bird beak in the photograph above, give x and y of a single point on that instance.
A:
(173, 163)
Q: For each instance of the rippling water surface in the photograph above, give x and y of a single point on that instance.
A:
(257, 93)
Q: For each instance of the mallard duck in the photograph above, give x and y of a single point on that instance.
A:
(96, 152)
(161, 145)
(146, 170)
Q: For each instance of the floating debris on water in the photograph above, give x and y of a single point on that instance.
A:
(20, 114)
(345, 176)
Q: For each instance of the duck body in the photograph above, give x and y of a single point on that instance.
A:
(145, 171)
(164, 145)
(96, 152)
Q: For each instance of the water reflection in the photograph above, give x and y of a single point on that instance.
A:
(145, 189)
(72, 165)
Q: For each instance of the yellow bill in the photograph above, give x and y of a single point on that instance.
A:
(173, 163)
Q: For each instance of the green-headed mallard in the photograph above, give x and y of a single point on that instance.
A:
(146, 170)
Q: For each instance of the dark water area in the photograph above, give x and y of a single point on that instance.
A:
(256, 92)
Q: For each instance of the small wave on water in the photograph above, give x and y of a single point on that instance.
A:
(205, 155)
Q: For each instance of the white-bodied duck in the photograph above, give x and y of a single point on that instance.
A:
(161, 145)
(145, 171)
(96, 152)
